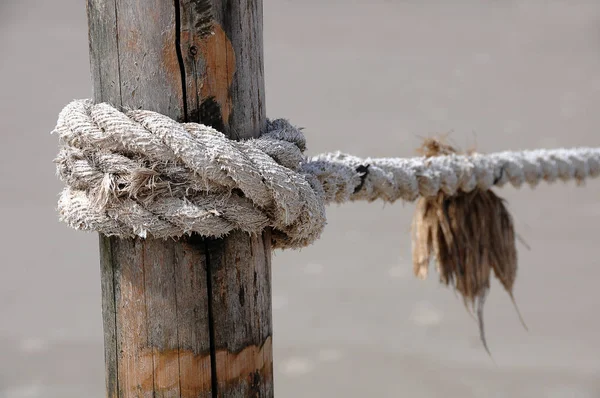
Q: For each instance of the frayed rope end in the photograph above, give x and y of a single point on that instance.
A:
(467, 235)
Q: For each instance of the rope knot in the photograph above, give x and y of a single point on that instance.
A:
(142, 173)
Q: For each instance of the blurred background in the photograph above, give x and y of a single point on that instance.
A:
(371, 78)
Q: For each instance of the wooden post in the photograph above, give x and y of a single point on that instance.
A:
(192, 317)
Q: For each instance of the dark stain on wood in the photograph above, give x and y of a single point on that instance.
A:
(219, 69)
(241, 296)
(204, 17)
(255, 384)
(210, 113)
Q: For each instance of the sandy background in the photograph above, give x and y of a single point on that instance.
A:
(369, 78)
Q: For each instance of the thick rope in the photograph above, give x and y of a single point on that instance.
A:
(141, 173)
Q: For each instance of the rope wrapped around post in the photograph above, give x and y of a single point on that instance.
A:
(142, 173)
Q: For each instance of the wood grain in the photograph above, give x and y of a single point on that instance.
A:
(241, 304)
(186, 318)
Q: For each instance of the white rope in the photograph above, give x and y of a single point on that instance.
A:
(142, 173)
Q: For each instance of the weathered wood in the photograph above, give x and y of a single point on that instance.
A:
(109, 315)
(241, 280)
(186, 318)
(104, 54)
(193, 321)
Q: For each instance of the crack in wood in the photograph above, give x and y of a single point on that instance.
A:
(211, 321)
(180, 58)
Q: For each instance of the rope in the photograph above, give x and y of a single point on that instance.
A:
(141, 173)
